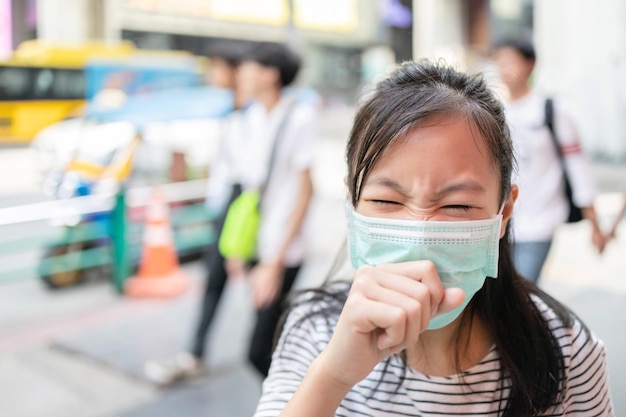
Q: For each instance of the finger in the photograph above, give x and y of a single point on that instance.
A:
(421, 271)
(453, 297)
(411, 296)
(387, 323)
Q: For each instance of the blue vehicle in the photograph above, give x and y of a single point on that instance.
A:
(142, 73)
(101, 156)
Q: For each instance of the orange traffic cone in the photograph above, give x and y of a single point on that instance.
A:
(159, 274)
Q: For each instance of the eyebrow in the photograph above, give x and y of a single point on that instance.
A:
(463, 185)
(388, 182)
(467, 185)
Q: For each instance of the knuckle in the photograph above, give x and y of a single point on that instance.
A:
(415, 309)
(360, 284)
(398, 315)
(365, 272)
(422, 292)
(429, 267)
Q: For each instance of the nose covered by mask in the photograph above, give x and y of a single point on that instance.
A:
(465, 253)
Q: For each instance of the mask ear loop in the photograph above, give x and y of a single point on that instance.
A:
(501, 211)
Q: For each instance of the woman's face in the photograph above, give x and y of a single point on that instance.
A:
(440, 171)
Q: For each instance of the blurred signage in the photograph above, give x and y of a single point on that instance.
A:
(266, 12)
(326, 15)
(397, 14)
(269, 12)
(321, 15)
(6, 30)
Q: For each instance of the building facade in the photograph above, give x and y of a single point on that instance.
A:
(347, 43)
(331, 35)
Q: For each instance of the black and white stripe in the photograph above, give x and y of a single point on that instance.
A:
(390, 390)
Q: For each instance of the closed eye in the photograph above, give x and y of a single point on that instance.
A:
(458, 207)
(384, 202)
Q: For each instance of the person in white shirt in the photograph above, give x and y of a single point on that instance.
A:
(272, 112)
(542, 205)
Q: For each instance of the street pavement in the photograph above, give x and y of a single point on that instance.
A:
(80, 351)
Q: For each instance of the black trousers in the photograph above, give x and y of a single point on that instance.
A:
(262, 340)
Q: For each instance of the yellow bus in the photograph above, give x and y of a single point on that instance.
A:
(42, 83)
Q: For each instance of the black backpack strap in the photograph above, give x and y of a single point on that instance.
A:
(280, 132)
(549, 121)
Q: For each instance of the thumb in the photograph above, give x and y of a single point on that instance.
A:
(452, 298)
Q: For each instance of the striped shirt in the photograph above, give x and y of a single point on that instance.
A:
(393, 390)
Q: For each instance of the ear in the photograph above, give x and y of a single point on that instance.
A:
(507, 211)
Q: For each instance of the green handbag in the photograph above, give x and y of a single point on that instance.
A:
(241, 225)
(238, 238)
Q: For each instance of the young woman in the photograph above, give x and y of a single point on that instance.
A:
(435, 321)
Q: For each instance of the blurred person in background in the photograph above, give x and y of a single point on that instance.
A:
(224, 57)
(242, 163)
(542, 206)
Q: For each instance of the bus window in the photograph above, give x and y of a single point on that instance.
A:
(69, 84)
(14, 83)
(46, 84)
(43, 83)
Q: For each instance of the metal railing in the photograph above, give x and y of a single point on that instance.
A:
(96, 234)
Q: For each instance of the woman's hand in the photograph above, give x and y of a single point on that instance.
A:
(388, 307)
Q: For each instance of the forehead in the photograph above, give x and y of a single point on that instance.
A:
(450, 144)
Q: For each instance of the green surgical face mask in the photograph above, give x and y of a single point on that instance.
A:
(465, 253)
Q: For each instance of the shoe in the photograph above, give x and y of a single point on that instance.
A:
(182, 367)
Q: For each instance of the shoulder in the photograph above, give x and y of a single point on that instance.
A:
(304, 114)
(317, 302)
(311, 318)
(305, 103)
(585, 384)
(561, 105)
(317, 306)
(558, 326)
(577, 342)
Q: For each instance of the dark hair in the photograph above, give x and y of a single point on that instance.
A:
(522, 45)
(230, 51)
(413, 93)
(530, 354)
(279, 56)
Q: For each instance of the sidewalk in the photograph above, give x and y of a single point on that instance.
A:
(90, 363)
(81, 352)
